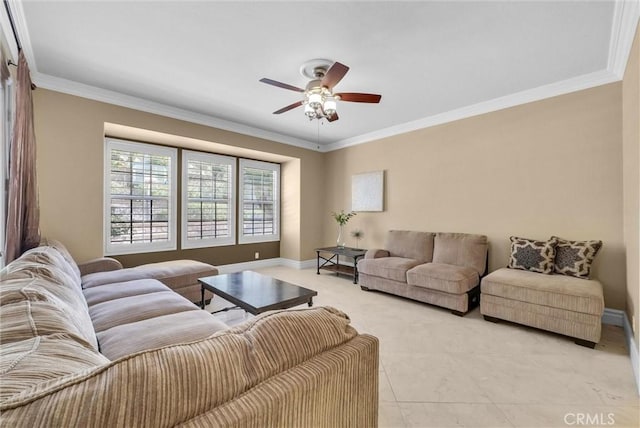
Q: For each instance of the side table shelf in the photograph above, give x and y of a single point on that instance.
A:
(333, 262)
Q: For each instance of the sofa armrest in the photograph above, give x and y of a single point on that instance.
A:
(102, 264)
(376, 253)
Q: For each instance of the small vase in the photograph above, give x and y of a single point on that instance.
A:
(340, 240)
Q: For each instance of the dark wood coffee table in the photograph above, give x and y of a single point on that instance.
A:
(255, 293)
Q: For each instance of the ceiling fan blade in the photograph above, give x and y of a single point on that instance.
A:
(281, 85)
(334, 75)
(289, 107)
(333, 117)
(356, 97)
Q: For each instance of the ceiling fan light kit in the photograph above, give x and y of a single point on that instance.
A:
(319, 100)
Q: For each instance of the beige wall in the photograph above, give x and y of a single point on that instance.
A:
(551, 167)
(544, 168)
(631, 180)
(70, 136)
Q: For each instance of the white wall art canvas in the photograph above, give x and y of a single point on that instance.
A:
(367, 190)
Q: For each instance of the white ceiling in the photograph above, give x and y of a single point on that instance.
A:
(427, 59)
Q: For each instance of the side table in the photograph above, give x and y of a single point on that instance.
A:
(333, 263)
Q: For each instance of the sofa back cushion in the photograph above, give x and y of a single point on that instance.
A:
(410, 244)
(62, 250)
(33, 307)
(42, 265)
(43, 275)
(461, 249)
(32, 362)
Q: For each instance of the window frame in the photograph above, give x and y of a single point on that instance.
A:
(213, 158)
(242, 239)
(147, 247)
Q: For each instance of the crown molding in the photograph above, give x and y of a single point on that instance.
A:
(7, 35)
(98, 94)
(17, 12)
(626, 14)
(542, 92)
(625, 20)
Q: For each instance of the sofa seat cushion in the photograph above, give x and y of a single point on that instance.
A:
(174, 273)
(126, 310)
(444, 277)
(118, 290)
(556, 291)
(30, 362)
(172, 329)
(394, 268)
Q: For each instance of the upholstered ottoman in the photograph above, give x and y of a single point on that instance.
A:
(558, 303)
(179, 275)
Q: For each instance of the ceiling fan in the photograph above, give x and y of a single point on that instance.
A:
(319, 99)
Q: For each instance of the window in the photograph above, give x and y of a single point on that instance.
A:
(140, 197)
(208, 202)
(259, 201)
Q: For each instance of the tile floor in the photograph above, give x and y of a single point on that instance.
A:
(440, 370)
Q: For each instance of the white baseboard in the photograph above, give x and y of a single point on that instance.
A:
(613, 317)
(633, 351)
(619, 318)
(257, 264)
(298, 264)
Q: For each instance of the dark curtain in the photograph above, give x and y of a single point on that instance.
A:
(23, 212)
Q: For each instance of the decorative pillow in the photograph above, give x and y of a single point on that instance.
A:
(531, 255)
(574, 258)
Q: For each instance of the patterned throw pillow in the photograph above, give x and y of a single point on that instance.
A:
(574, 258)
(535, 256)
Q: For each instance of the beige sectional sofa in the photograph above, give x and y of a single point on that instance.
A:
(442, 269)
(180, 276)
(135, 353)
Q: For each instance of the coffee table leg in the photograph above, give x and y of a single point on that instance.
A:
(310, 302)
(202, 296)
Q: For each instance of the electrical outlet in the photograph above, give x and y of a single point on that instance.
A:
(257, 255)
